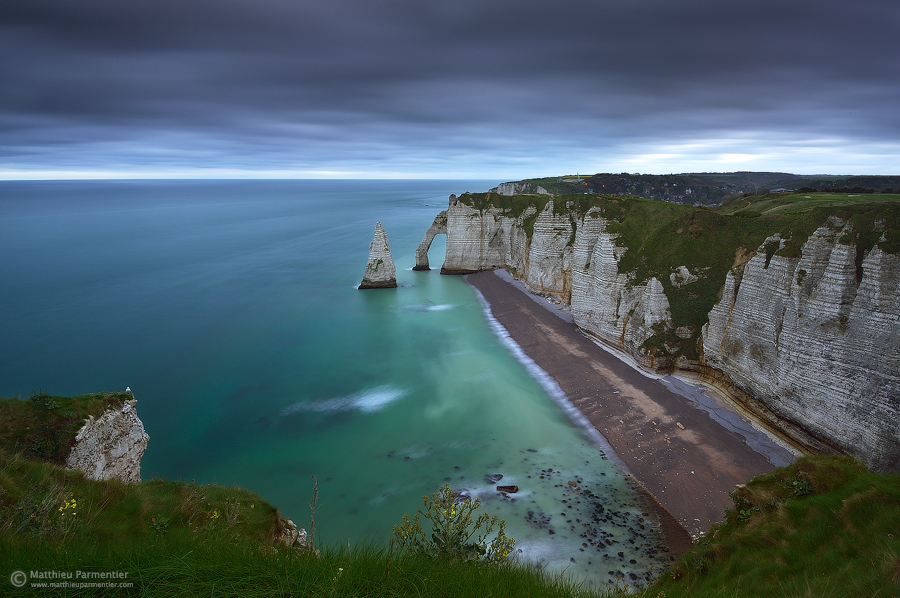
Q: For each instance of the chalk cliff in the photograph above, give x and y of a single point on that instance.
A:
(380, 271)
(816, 343)
(809, 343)
(111, 446)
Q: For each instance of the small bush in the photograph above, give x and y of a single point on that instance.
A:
(455, 534)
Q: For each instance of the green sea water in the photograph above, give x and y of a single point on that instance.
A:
(230, 309)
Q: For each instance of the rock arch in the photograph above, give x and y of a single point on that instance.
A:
(438, 227)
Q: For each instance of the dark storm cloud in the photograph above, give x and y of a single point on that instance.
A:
(298, 84)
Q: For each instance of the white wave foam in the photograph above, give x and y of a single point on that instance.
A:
(428, 307)
(549, 385)
(374, 400)
(367, 401)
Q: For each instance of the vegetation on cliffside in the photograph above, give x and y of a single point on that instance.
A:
(44, 426)
(184, 539)
(658, 237)
(822, 527)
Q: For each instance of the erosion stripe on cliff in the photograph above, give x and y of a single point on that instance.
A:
(685, 460)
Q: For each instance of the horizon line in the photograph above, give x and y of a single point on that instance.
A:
(230, 174)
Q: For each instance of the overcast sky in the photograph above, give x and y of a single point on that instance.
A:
(442, 89)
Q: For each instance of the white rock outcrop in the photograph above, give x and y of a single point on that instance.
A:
(380, 270)
(111, 446)
(812, 342)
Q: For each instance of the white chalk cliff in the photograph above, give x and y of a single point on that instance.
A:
(810, 344)
(111, 446)
(380, 271)
(816, 343)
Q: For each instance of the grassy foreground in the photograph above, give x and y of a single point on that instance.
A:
(179, 539)
(822, 527)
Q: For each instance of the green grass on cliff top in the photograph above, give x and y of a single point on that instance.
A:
(659, 237)
(792, 203)
(44, 426)
(185, 539)
(823, 527)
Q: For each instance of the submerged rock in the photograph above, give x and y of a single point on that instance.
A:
(380, 271)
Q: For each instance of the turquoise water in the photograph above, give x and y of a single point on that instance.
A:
(230, 308)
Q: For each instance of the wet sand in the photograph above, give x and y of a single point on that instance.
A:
(685, 460)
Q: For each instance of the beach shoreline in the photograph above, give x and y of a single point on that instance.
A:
(684, 460)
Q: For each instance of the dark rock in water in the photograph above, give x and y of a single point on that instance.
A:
(493, 478)
(462, 495)
(508, 489)
(531, 450)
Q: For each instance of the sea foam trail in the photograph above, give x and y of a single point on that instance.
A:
(428, 307)
(367, 401)
(550, 386)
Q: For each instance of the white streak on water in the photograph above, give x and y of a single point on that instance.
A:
(428, 307)
(549, 385)
(367, 401)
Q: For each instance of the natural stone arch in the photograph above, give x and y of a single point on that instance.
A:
(438, 227)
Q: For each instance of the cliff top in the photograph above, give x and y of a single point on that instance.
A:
(44, 426)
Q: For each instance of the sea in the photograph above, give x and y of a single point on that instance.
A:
(231, 311)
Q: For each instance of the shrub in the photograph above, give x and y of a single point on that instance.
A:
(455, 534)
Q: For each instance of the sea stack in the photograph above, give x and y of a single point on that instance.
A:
(380, 271)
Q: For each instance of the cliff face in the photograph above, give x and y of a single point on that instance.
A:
(606, 303)
(111, 446)
(483, 239)
(810, 343)
(816, 343)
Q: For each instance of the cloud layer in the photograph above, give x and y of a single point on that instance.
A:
(495, 88)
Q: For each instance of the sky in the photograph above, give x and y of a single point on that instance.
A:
(503, 89)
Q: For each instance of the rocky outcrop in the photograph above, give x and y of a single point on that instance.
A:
(286, 534)
(438, 227)
(380, 270)
(111, 446)
(810, 344)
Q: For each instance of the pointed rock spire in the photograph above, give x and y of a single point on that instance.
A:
(380, 271)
